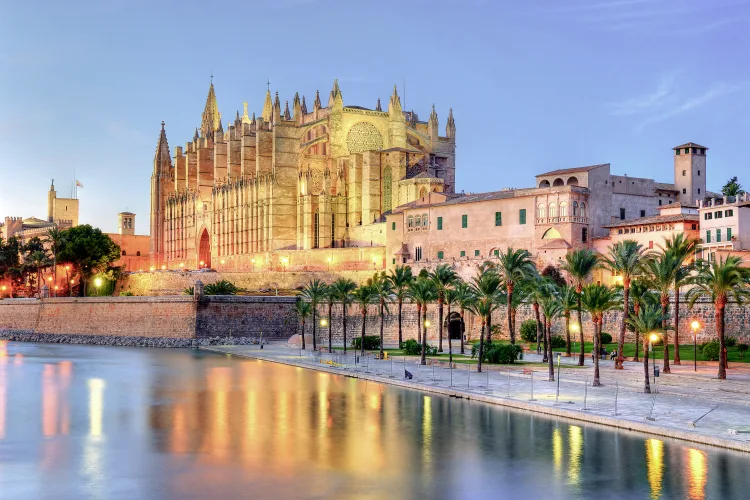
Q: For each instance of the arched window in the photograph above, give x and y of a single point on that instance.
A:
(575, 209)
(552, 210)
(573, 181)
(544, 184)
(583, 209)
(138, 253)
(417, 221)
(558, 182)
(422, 192)
(124, 252)
(540, 213)
(410, 222)
(563, 209)
(424, 220)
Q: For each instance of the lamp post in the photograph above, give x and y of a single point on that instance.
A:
(575, 328)
(329, 264)
(695, 325)
(653, 338)
(252, 261)
(97, 284)
(50, 282)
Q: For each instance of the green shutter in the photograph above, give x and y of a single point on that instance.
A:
(498, 218)
(463, 253)
(729, 234)
(393, 226)
(708, 236)
(718, 235)
(522, 216)
(476, 253)
(440, 255)
(394, 260)
(440, 223)
(464, 221)
(497, 252)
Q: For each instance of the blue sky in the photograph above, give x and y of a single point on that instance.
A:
(535, 85)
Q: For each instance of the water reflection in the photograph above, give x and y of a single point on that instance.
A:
(222, 427)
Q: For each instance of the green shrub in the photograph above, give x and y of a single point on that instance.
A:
(372, 342)
(557, 342)
(126, 293)
(606, 338)
(711, 351)
(189, 291)
(742, 348)
(411, 347)
(528, 330)
(222, 287)
(730, 341)
(496, 352)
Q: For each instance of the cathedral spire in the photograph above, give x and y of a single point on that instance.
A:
(395, 101)
(335, 99)
(450, 126)
(276, 109)
(267, 107)
(432, 125)
(162, 158)
(287, 114)
(316, 104)
(211, 116)
(195, 136)
(304, 106)
(253, 121)
(245, 118)
(378, 107)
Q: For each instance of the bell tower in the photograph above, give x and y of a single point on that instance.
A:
(690, 172)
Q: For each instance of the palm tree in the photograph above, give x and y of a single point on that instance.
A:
(660, 273)
(303, 311)
(54, 236)
(513, 266)
(482, 308)
(682, 249)
(649, 319)
(422, 292)
(315, 292)
(400, 278)
(486, 287)
(568, 302)
(342, 290)
(642, 297)
(443, 277)
(364, 295)
(537, 290)
(451, 299)
(579, 265)
(551, 308)
(39, 260)
(383, 291)
(624, 259)
(732, 188)
(330, 298)
(596, 300)
(722, 280)
(464, 298)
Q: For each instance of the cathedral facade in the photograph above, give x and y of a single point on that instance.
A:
(293, 186)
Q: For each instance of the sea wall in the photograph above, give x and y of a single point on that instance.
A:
(177, 317)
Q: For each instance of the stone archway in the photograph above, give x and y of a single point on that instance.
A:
(204, 250)
(455, 325)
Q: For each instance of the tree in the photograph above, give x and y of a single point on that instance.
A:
(481, 308)
(383, 292)
(330, 298)
(315, 292)
(464, 297)
(568, 303)
(722, 280)
(303, 311)
(649, 319)
(342, 289)
(54, 236)
(660, 272)
(642, 297)
(10, 260)
(579, 265)
(553, 274)
(364, 295)
(624, 260)
(422, 292)
(400, 278)
(551, 309)
(681, 249)
(732, 188)
(38, 260)
(89, 250)
(537, 287)
(513, 266)
(451, 299)
(443, 277)
(597, 300)
(486, 287)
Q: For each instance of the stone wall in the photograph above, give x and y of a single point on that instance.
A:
(177, 317)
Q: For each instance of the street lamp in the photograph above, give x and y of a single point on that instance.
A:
(695, 325)
(575, 328)
(284, 261)
(97, 284)
(652, 338)
(253, 262)
(329, 264)
(323, 322)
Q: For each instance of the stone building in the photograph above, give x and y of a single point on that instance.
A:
(134, 248)
(293, 188)
(725, 226)
(61, 213)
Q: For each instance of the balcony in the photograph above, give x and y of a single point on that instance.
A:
(568, 219)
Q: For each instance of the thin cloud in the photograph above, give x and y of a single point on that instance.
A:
(648, 102)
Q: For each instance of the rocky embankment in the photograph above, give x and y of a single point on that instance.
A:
(112, 340)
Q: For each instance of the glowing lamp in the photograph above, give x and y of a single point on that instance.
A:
(67, 268)
(4, 288)
(49, 279)
(163, 267)
(222, 261)
(654, 337)
(427, 323)
(152, 268)
(323, 322)
(98, 282)
(202, 263)
(695, 325)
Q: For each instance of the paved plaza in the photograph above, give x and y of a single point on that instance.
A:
(687, 404)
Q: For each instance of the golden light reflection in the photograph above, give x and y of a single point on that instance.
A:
(427, 433)
(698, 469)
(655, 465)
(65, 370)
(96, 406)
(49, 401)
(18, 359)
(575, 445)
(557, 450)
(3, 395)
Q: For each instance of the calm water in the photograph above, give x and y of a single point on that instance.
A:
(100, 422)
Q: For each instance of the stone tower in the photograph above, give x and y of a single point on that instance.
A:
(160, 186)
(690, 172)
(126, 223)
(51, 195)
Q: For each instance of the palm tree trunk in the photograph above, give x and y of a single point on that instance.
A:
(567, 335)
(513, 325)
(720, 304)
(548, 341)
(544, 337)
(343, 325)
(597, 350)
(676, 324)
(400, 337)
(463, 326)
(314, 310)
(481, 347)
(304, 347)
(625, 309)
(450, 345)
(440, 319)
(489, 327)
(538, 327)
(382, 324)
(364, 322)
(511, 330)
(330, 336)
(664, 305)
(637, 335)
(646, 384)
(582, 354)
(423, 359)
(419, 323)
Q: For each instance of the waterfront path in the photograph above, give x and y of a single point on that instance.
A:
(687, 405)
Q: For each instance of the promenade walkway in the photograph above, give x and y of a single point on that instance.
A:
(687, 405)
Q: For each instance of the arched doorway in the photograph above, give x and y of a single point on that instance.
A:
(455, 326)
(204, 250)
